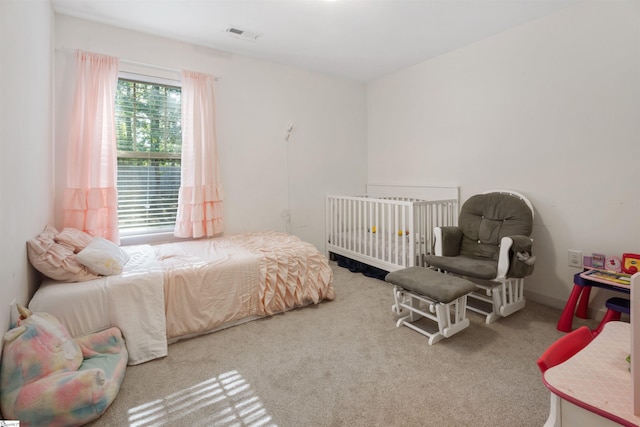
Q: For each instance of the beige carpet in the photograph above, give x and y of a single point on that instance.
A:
(344, 363)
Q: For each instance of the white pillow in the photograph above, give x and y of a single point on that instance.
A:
(103, 257)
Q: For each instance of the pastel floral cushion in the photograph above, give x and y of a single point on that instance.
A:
(48, 378)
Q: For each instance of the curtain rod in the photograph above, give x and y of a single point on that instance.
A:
(131, 62)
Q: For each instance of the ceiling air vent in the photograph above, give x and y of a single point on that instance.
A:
(242, 34)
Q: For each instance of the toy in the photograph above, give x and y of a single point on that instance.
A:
(630, 263)
(49, 378)
(597, 260)
(612, 263)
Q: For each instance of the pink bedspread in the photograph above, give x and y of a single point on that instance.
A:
(211, 283)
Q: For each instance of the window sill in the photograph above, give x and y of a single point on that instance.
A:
(148, 239)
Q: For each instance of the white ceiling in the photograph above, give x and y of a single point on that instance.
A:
(356, 39)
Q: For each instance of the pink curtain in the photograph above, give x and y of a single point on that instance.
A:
(91, 197)
(200, 210)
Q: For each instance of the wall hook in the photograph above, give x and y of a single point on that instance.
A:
(289, 130)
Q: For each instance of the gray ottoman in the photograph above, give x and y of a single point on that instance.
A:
(417, 289)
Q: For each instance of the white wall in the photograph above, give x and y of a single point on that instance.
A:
(25, 142)
(550, 109)
(256, 100)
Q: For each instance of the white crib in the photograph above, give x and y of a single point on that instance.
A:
(392, 226)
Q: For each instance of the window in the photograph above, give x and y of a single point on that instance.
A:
(149, 144)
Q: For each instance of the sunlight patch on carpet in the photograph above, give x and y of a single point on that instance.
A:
(227, 399)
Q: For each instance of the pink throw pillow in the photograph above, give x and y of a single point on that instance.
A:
(55, 260)
(75, 239)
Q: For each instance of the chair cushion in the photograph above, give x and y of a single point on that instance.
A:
(439, 287)
(486, 218)
(473, 267)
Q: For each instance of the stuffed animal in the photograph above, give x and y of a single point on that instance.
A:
(49, 378)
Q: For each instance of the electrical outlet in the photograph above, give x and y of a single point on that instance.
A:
(575, 258)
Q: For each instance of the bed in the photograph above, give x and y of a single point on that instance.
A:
(391, 227)
(178, 290)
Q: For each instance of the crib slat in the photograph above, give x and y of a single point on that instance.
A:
(351, 220)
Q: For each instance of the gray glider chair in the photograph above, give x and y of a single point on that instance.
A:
(491, 247)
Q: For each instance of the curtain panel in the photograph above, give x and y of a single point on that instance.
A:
(91, 197)
(200, 212)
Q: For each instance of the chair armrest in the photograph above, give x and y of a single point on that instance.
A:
(521, 243)
(447, 241)
(515, 258)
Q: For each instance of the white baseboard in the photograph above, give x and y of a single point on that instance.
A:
(594, 313)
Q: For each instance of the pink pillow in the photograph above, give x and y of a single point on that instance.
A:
(76, 239)
(55, 260)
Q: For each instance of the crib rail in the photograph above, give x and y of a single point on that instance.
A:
(388, 233)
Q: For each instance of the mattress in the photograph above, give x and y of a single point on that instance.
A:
(177, 290)
(215, 282)
(207, 284)
(133, 301)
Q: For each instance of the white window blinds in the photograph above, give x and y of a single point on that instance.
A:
(149, 144)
